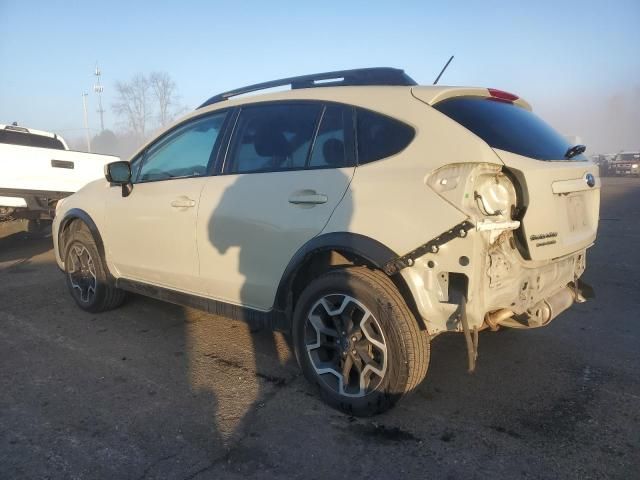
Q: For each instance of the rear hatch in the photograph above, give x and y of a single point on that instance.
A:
(559, 197)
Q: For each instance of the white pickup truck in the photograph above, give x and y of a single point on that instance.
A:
(37, 169)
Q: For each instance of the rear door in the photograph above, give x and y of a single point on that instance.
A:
(561, 196)
(288, 167)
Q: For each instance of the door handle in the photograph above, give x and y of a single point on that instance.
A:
(183, 202)
(307, 197)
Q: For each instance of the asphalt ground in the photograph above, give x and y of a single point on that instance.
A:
(153, 390)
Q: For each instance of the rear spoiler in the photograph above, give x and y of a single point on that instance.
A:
(433, 95)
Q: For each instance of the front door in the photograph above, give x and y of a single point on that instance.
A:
(151, 232)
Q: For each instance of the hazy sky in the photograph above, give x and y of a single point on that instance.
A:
(577, 62)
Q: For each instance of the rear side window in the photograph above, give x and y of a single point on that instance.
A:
(380, 136)
(273, 137)
(30, 140)
(333, 146)
(506, 126)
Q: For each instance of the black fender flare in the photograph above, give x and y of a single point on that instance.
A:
(372, 251)
(79, 214)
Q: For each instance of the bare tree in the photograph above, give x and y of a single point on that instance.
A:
(144, 98)
(133, 103)
(166, 95)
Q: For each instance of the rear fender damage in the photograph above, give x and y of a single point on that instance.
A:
(477, 279)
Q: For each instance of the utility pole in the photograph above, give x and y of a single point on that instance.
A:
(86, 120)
(98, 88)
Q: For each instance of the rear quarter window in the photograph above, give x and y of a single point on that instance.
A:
(379, 136)
(30, 140)
(508, 127)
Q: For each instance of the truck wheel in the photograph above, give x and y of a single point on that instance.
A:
(86, 273)
(5, 213)
(39, 228)
(357, 340)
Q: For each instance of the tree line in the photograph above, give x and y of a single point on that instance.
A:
(147, 102)
(142, 105)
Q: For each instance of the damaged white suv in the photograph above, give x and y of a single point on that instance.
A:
(360, 212)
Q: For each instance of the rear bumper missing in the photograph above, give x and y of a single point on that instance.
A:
(501, 288)
(544, 312)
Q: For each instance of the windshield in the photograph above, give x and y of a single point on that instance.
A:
(506, 126)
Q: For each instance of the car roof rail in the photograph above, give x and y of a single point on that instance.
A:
(356, 77)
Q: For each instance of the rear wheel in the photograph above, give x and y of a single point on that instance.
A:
(358, 341)
(86, 273)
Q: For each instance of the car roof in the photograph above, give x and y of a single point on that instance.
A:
(359, 78)
(393, 100)
(363, 96)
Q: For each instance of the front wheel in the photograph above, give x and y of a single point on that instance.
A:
(358, 341)
(86, 273)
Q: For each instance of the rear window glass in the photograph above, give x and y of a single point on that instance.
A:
(508, 127)
(380, 136)
(30, 140)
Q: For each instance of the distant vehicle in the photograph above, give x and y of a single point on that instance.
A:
(625, 164)
(358, 211)
(37, 169)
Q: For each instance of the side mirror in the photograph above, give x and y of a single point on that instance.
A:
(119, 173)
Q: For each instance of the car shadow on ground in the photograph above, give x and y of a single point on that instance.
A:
(17, 246)
(160, 391)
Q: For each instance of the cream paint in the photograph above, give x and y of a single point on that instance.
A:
(149, 240)
(248, 230)
(570, 216)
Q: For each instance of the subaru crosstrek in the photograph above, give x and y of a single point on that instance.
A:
(357, 211)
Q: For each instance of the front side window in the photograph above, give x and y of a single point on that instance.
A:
(333, 147)
(185, 152)
(135, 167)
(380, 136)
(273, 137)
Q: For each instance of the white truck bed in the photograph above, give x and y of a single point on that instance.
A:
(35, 177)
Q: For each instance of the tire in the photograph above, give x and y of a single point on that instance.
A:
(6, 214)
(86, 273)
(382, 349)
(39, 228)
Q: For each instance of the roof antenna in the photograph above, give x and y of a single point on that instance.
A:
(443, 69)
